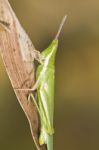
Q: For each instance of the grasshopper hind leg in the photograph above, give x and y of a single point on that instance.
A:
(42, 137)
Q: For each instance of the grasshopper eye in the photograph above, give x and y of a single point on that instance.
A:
(42, 60)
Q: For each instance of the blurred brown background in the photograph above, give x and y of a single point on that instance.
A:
(77, 75)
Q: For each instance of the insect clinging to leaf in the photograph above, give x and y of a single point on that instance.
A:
(44, 88)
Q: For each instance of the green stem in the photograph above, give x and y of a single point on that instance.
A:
(49, 142)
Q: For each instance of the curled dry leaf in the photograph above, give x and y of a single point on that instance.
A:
(14, 46)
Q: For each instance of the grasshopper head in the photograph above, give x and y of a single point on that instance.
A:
(48, 55)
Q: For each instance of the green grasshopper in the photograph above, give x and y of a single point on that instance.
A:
(45, 91)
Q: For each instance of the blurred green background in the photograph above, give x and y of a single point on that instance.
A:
(77, 75)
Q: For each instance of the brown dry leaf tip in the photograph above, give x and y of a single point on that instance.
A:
(11, 47)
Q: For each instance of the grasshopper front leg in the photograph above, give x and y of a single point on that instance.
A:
(34, 55)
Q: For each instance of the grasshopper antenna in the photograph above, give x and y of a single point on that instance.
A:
(60, 27)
